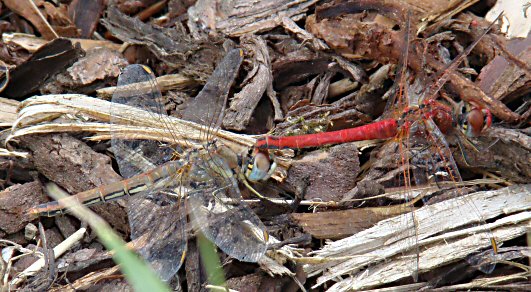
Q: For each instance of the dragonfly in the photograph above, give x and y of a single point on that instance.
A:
(415, 124)
(166, 182)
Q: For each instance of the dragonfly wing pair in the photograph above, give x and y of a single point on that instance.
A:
(158, 217)
(219, 212)
(426, 159)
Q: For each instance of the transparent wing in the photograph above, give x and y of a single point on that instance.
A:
(214, 200)
(433, 164)
(156, 217)
(208, 106)
(417, 167)
(159, 224)
(138, 88)
(399, 99)
(426, 164)
(219, 212)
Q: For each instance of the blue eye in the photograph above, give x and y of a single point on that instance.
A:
(260, 167)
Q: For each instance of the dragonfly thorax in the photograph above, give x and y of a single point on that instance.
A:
(443, 119)
(441, 114)
(214, 157)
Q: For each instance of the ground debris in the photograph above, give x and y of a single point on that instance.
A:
(258, 82)
(58, 157)
(327, 186)
(238, 18)
(415, 211)
(49, 60)
(94, 70)
(13, 204)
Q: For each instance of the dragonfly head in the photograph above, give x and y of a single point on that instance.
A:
(474, 121)
(260, 167)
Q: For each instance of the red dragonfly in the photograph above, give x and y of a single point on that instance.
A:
(415, 122)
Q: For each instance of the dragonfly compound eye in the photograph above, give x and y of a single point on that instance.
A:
(260, 167)
(475, 121)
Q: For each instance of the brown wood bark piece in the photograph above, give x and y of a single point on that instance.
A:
(177, 50)
(302, 34)
(356, 71)
(31, 43)
(86, 15)
(193, 266)
(8, 111)
(516, 137)
(75, 167)
(31, 12)
(339, 224)
(65, 225)
(53, 237)
(429, 12)
(370, 98)
(259, 80)
(293, 98)
(14, 202)
(95, 69)
(84, 258)
(510, 157)
(114, 285)
(248, 283)
(260, 282)
(24, 262)
(354, 39)
(320, 92)
(49, 60)
(326, 176)
(237, 18)
(165, 44)
(297, 66)
(500, 78)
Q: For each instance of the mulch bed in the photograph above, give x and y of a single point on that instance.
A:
(272, 67)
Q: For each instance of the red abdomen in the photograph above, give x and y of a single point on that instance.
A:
(378, 130)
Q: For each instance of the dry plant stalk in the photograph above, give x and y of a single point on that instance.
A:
(385, 249)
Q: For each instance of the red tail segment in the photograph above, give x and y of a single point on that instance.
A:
(378, 130)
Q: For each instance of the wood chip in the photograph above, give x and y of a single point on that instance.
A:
(339, 224)
(45, 63)
(14, 201)
(242, 17)
(259, 81)
(76, 167)
(386, 239)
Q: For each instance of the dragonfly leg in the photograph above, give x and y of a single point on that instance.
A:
(246, 183)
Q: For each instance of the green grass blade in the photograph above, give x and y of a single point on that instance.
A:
(136, 271)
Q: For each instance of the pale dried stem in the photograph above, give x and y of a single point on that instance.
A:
(57, 251)
(392, 239)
